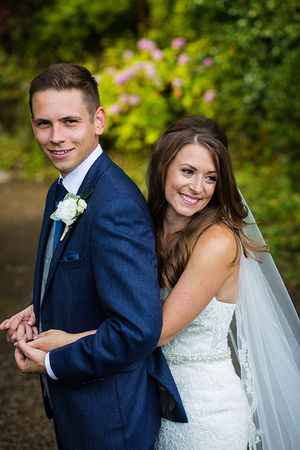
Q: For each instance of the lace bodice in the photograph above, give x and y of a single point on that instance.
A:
(211, 391)
(205, 338)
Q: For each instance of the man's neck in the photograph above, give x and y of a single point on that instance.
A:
(73, 180)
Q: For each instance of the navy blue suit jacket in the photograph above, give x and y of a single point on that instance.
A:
(113, 386)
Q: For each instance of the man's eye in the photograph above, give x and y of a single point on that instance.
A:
(70, 121)
(43, 124)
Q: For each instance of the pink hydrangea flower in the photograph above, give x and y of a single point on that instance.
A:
(157, 54)
(128, 54)
(123, 77)
(208, 61)
(134, 100)
(177, 82)
(114, 109)
(146, 44)
(209, 96)
(183, 58)
(150, 70)
(120, 78)
(130, 99)
(110, 70)
(178, 42)
(124, 98)
(138, 65)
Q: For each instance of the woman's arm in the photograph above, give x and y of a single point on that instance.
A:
(51, 339)
(210, 267)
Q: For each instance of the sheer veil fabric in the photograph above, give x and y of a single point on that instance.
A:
(267, 342)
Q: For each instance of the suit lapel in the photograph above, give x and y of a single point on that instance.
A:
(97, 169)
(86, 187)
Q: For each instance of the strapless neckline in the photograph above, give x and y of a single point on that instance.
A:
(164, 292)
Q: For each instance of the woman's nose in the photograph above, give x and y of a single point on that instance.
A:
(196, 185)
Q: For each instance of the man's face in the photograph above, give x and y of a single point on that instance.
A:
(63, 127)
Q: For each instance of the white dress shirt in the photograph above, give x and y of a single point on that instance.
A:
(72, 183)
(73, 180)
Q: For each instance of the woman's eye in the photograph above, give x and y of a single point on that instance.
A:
(188, 171)
(211, 179)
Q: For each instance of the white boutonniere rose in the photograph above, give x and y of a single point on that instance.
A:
(68, 211)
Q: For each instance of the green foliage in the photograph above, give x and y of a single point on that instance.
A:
(23, 159)
(252, 79)
(146, 88)
(43, 33)
(275, 204)
(231, 60)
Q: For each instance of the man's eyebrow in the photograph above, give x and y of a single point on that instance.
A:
(70, 117)
(62, 119)
(40, 119)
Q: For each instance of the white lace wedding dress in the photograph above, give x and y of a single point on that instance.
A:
(212, 394)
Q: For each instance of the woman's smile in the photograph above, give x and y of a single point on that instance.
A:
(190, 182)
(189, 200)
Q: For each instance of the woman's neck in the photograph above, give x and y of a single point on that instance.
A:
(170, 227)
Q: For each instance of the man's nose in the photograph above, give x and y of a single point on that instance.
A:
(57, 134)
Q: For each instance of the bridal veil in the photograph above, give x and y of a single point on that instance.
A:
(267, 342)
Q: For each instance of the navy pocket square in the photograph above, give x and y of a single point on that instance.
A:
(72, 255)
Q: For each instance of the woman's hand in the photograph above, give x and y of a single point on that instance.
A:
(51, 339)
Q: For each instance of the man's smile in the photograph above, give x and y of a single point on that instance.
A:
(60, 152)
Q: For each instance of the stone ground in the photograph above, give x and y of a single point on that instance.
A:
(23, 424)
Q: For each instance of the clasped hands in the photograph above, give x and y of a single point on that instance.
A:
(31, 347)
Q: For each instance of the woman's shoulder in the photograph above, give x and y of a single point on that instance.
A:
(219, 241)
(219, 231)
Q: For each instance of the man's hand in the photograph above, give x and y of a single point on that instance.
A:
(28, 359)
(20, 326)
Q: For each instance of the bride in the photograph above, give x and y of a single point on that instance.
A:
(212, 265)
(218, 280)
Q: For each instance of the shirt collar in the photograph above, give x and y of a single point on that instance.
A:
(73, 180)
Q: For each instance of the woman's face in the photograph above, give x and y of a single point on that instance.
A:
(190, 182)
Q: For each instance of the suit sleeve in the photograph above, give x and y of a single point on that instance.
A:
(122, 249)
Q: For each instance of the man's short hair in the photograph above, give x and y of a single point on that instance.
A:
(68, 76)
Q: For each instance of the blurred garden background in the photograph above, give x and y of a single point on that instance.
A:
(235, 61)
(232, 60)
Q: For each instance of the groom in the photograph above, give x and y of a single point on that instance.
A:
(106, 390)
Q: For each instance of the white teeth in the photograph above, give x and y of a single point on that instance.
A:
(191, 201)
(61, 152)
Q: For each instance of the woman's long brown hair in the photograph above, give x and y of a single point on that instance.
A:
(225, 206)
